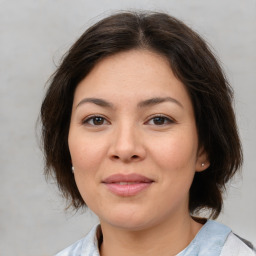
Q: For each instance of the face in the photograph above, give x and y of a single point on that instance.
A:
(133, 141)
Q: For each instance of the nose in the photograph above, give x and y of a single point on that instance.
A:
(127, 144)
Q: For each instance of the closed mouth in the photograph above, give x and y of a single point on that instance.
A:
(126, 179)
(127, 185)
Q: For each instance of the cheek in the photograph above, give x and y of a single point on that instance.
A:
(86, 152)
(175, 152)
(86, 158)
(175, 161)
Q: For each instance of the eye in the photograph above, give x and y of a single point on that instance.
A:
(95, 121)
(160, 120)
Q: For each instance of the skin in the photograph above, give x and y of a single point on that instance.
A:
(130, 137)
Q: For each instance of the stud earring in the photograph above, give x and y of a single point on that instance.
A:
(202, 164)
(73, 169)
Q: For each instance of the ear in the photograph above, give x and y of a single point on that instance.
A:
(202, 162)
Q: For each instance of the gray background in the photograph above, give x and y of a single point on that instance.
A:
(33, 37)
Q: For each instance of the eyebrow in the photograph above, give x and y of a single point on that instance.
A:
(96, 101)
(158, 100)
(142, 104)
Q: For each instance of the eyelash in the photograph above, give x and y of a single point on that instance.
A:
(93, 118)
(166, 120)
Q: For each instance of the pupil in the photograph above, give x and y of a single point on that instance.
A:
(98, 120)
(159, 120)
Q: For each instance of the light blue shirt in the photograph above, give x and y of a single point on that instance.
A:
(209, 241)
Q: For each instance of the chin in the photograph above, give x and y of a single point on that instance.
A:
(130, 225)
(129, 220)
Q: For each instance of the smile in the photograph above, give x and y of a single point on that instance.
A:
(127, 185)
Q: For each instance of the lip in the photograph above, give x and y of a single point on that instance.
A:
(127, 185)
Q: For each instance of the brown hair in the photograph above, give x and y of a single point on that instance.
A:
(192, 63)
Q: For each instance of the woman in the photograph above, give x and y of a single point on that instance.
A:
(138, 125)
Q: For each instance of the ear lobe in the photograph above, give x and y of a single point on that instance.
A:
(202, 162)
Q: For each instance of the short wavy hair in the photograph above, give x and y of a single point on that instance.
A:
(192, 62)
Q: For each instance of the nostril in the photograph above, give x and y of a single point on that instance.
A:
(133, 157)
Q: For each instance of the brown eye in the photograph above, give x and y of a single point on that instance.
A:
(160, 120)
(95, 121)
(98, 120)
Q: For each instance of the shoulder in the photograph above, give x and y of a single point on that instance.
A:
(73, 249)
(235, 246)
(214, 239)
(88, 246)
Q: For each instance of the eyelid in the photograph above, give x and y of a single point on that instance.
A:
(170, 120)
(85, 121)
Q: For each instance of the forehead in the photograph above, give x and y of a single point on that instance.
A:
(135, 74)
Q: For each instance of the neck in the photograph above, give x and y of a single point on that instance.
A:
(163, 239)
